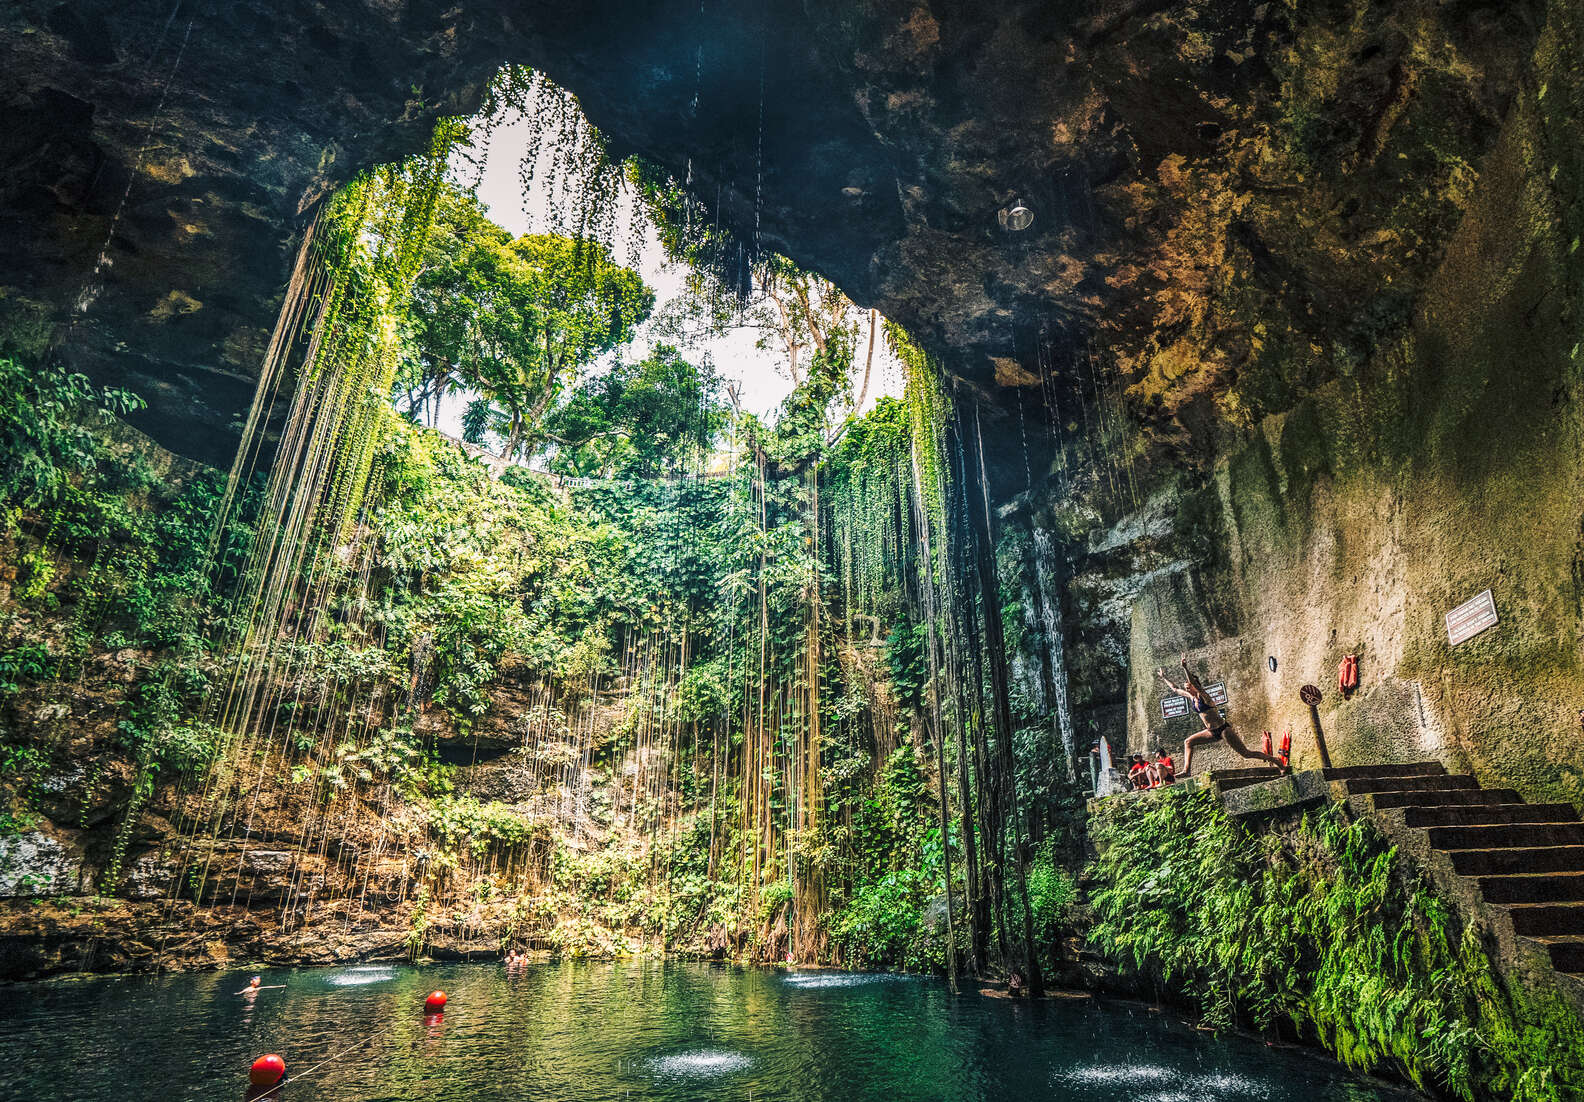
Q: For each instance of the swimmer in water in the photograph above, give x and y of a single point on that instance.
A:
(253, 987)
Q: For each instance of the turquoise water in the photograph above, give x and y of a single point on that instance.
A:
(622, 1031)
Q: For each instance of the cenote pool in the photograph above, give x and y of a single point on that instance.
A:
(620, 1031)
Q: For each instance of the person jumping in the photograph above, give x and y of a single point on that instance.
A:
(1216, 727)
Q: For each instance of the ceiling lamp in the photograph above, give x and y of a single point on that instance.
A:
(1015, 218)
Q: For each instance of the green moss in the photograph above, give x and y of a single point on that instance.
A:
(1326, 929)
(24, 328)
(1305, 452)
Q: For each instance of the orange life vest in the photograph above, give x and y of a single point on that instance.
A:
(1348, 676)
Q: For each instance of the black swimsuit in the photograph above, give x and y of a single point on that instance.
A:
(1215, 733)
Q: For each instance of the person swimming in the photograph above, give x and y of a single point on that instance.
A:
(1216, 727)
(253, 987)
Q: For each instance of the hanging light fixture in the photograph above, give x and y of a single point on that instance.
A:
(1015, 218)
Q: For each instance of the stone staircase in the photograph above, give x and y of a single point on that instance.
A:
(1521, 860)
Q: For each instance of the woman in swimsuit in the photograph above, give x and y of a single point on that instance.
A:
(1216, 728)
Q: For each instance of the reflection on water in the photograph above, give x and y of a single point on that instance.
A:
(609, 1032)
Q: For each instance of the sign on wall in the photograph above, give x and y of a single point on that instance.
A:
(1173, 705)
(1471, 618)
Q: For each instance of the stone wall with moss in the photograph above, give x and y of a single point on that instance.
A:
(1352, 519)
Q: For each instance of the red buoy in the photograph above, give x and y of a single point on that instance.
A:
(267, 1071)
(435, 1003)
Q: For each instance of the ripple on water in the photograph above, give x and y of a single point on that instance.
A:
(354, 977)
(1174, 1086)
(706, 1062)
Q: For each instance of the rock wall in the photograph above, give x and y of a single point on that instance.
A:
(1447, 462)
(1214, 182)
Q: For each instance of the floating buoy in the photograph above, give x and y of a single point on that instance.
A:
(435, 1003)
(267, 1071)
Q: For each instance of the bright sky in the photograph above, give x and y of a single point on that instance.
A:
(764, 384)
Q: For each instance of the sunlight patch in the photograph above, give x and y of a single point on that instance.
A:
(354, 977)
(830, 979)
(708, 1062)
(1174, 1086)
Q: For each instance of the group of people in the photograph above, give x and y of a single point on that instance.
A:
(1145, 773)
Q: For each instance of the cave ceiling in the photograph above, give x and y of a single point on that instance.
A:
(1232, 201)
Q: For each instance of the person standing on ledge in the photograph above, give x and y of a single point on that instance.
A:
(1216, 727)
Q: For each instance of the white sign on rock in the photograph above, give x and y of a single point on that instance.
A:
(1470, 618)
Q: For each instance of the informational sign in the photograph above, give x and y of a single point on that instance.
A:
(1471, 618)
(1173, 705)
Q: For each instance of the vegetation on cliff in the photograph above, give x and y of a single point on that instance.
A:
(1327, 931)
(736, 687)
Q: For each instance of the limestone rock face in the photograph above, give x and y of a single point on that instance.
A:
(37, 864)
(1214, 184)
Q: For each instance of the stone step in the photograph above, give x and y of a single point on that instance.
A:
(1262, 773)
(1366, 785)
(1244, 782)
(1511, 862)
(1503, 835)
(1534, 887)
(1567, 954)
(1547, 919)
(1486, 814)
(1404, 769)
(1445, 797)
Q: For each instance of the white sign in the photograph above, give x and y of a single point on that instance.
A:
(1471, 618)
(1217, 693)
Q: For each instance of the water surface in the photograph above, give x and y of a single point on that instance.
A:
(623, 1031)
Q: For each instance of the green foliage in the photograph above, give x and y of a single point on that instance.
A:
(47, 431)
(24, 663)
(645, 420)
(882, 926)
(1052, 893)
(512, 321)
(1326, 928)
(466, 824)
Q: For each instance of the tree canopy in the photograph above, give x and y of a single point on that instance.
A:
(644, 419)
(513, 321)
